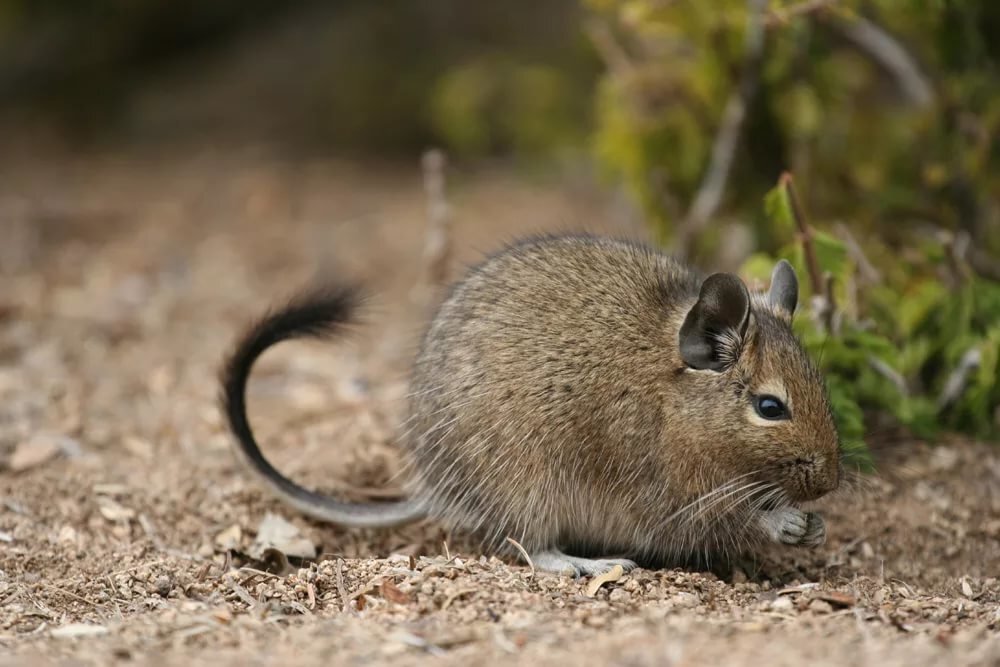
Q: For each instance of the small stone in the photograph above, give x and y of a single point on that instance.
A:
(782, 604)
(820, 607)
(164, 585)
(685, 599)
(619, 595)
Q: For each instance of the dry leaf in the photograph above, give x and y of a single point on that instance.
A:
(139, 447)
(360, 602)
(275, 532)
(966, 589)
(801, 588)
(614, 574)
(112, 510)
(74, 630)
(837, 598)
(391, 592)
(230, 538)
(223, 615)
(33, 453)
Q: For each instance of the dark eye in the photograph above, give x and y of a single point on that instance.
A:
(770, 407)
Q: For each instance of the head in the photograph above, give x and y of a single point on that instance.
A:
(767, 406)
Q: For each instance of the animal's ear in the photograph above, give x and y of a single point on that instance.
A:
(784, 291)
(712, 333)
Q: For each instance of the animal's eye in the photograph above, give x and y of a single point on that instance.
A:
(770, 408)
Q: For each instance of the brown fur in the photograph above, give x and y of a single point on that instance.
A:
(550, 404)
(595, 396)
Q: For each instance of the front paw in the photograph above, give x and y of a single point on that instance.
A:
(790, 525)
(815, 531)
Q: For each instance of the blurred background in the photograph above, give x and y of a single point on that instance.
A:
(666, 119)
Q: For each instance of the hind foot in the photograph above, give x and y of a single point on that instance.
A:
(790, 525)
(556, 561)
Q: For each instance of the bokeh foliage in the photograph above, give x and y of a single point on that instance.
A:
(899, 165)
(386, 77)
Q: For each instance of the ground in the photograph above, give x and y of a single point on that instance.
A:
(128, 530)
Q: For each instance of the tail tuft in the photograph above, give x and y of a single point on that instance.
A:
(315, 313)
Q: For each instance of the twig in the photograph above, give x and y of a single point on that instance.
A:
(805, 233)
(437, 246)
(241, 592)
(524, 554)
(956, 248)
(713, 185)
(824, 303)
(890, 374)
(884, 49)
(866, 269)
(341, 590)
(957, 382)
(73, 596)
(608, 48)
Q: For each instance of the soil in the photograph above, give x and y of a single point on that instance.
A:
(128, 531)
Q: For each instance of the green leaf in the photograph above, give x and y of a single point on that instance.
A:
(778, 208)
(831, 253)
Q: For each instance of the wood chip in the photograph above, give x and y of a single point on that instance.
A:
(391, 592)
(614, 574)
(274, 532)
(837, 598)
(112, 510)
(230, 538)
(78, 630)
(32, 453)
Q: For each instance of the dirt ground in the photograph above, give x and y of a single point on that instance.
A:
(128, 532)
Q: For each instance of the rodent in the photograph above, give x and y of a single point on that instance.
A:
(594, 400)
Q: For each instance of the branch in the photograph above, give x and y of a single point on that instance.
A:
(890, 374)
(437, 248)
(608, 48)
(436, 259)
(713, 185)
(886, 50)
(805, 234)
(781, 17)
(866, 269)
(955, 386)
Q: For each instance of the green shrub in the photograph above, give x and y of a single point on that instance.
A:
(903, 344)
(898, 155)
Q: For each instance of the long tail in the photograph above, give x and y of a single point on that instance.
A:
(317, 313)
